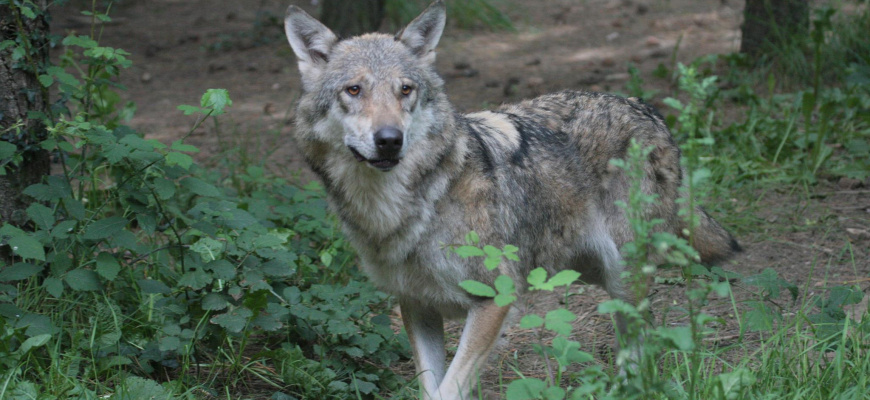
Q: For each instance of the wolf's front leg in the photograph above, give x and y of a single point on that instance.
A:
(425, 328)
(482, 329)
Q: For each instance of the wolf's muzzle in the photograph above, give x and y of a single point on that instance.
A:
(388, 142)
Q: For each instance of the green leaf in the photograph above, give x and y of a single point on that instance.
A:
(200, 187)
(46, 80)
(36, 325)
(761, 317)
(537, 276)
(104, 228)
(326, 258)
(7, 150)
(164, 188)
(34, 342)
(492, 251)
(107, 266)
(214, 301)
(504, 284)
(472, 238)
(188, 109)
(568, 352)
(148, 222)
(510, 252)
(83, 41)
(149, 286)
(770, 281)
(731, 384)
(565, 277)
(53, 286)
(477, 288)
(41, 215)
(216, 99)
(180, 159)
(492, 262)
(554, 393)
(178, 145)
(19, 271)
(680, 336)
(63, 229)
(136, 388)
(531, 321)
(233, 321)
(27, 12)
(614, 306)
(195, 279)
(270, 240)
(83, 280)
(169, 343)
(468, 251)
(558, 321)
(673, 103)
(502, 299)
(27, 247)
(43, 192)
(62, 76)
(341, 327)
(208, 248)
(525, 389)
(23, 390)
(222, 269)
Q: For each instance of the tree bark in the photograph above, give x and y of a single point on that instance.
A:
(20, 92)
(352, 17)
(772, 23)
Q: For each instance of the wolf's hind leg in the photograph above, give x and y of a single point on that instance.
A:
(618, 287)
(425, 328)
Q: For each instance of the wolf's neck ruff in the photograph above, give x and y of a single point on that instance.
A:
(380, 204)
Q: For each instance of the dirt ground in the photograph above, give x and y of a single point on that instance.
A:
(180, 48)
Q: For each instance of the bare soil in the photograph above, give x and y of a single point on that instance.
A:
(815, 238)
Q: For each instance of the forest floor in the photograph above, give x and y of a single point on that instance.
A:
(814, 237)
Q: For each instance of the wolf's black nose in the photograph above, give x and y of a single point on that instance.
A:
(388, 141)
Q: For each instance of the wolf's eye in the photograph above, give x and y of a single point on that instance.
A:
(353, 90)
(406, 90)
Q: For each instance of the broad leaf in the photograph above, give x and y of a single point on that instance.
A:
(477, 288)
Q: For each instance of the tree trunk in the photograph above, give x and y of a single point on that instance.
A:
(20, 92)
(773, 23)
(352, 17)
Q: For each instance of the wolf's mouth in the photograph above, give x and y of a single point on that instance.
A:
(385, 164)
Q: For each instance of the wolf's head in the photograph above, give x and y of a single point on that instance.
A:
(370, 89)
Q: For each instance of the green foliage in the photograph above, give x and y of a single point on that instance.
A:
(148, 266)
(635, 84)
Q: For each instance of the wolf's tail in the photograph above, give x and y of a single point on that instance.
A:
(711, 240)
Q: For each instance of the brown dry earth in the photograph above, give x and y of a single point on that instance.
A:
(815, 238)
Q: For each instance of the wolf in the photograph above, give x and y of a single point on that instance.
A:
(408, 175)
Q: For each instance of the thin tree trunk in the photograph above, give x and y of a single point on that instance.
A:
(352, 17)
(768, 24)
(21, 92)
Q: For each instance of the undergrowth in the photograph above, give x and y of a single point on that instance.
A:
(140, 273)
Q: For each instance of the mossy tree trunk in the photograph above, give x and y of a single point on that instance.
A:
(770, 24)
(352, 17)
(20, 94)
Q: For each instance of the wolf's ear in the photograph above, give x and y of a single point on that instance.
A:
(310, 40)
(423, 33)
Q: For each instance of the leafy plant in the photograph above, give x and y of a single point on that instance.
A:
(136, 268)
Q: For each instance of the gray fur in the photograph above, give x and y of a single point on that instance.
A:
(534, 174)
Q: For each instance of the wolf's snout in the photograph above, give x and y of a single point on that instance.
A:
(388, 141)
